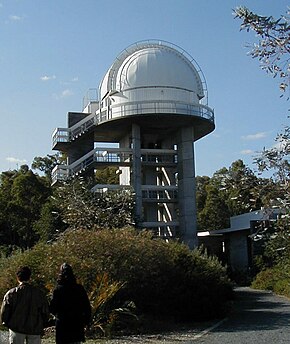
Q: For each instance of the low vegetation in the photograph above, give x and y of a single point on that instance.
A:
(129, 276)
(274, 264)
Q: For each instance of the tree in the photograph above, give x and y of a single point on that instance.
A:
(273, 47)
(22, 194)
(215, 214)
(238, 185)
(107, 175)
(277, 159)
(82, 208)
(231, 191)
(201, 183)
(49, 225)
(7, 235)
(272, 51)
(46, 164)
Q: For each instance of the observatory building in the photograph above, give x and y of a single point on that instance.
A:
(144, 118)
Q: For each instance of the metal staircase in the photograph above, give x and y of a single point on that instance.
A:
(114, 157)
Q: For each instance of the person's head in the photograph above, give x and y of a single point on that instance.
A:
(23, 274)
(66, 274)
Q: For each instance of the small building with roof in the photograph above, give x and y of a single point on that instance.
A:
(238, 245)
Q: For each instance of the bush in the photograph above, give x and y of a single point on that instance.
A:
(159, 277)
(265, 280)
(275, 279)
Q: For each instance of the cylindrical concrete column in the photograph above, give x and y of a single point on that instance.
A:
(186, 186)
(136, 170)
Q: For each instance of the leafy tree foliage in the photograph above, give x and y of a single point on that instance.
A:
(273, 48)
(201, 194)
(238, 185)
(272, 51)
(22, 194)
(277, 159)
(231, 191)
(46, 164)
(215, 214)
(107, 175)
(82, 208)
(32, 210)
(49, 224)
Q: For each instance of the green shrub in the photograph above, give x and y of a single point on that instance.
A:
(265, 280)
(104, 317)
(158, 277)
(275, 279)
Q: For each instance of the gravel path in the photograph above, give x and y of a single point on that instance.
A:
(259, 317)
(182, 334)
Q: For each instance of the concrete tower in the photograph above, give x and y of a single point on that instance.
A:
(152, 104)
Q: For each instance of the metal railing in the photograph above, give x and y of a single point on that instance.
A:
(158, 156)
(60, 173)
(114, 156)
(160, 106)
(60, 135)
(157, 195)
(128, 109)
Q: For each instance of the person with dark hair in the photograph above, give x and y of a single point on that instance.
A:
(71, 307)
(24, 310)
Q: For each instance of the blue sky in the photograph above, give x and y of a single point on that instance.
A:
(53, 51)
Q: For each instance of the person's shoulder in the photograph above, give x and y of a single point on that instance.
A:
(11, 291)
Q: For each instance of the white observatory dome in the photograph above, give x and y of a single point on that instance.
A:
(157, 67)
(152, 71)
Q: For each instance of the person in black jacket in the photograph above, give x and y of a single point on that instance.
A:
(71, 307)
(24, 310)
